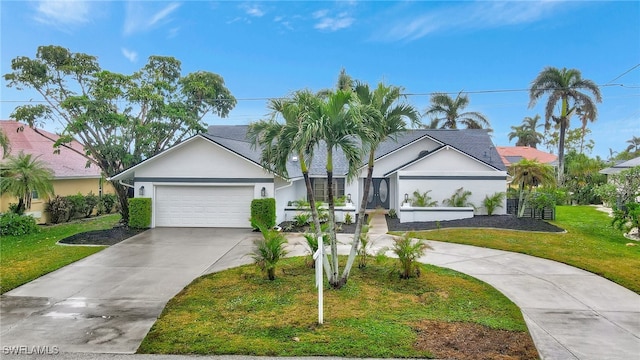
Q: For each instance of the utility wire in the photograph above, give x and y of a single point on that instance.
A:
(623, 74)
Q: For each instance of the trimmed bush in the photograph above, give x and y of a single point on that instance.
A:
(12, 224)
(263, 212)
(107, 202)
(58, 209)
(90, 201)
(78, 205)
(140, 213)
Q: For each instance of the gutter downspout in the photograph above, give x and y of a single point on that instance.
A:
(126, 185)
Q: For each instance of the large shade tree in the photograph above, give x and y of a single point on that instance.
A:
(23, 174)
(527, 133)
(567, 90)
(448, 113)
(385, 116)
(120, 119)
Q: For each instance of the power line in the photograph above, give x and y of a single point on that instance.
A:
(623, 74)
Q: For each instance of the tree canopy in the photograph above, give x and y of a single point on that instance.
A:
(120, 119)
(448, 113)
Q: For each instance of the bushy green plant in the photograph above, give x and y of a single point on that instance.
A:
(78, 206)
(302, 219)
(626, 217)
(140, 213)
(409, 251)
(58, 209)
(16, 209)
(423, 199)
(269, 250)
(540, 200)
(348, 219)
(312, 247)
(340, 201)
(365, 245)
(12, 224)
(491, 203)
(91, 201)
(460, 198)
(107, 203)
(263, 211)
(608, 193)
(393, 214)
(301, 203)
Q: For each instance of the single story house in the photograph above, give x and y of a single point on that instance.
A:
(513, 154)
(210, 179)
(620, 167)
(70, 170)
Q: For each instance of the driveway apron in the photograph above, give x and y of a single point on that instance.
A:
(106, 303)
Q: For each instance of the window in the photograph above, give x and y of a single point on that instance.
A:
(34, 195)
(320, 188)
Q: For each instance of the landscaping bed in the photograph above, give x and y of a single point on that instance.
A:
(102, 237)
(509, 222)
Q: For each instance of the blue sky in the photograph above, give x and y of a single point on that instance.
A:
(268, 49)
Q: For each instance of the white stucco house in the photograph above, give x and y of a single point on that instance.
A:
(210, 179)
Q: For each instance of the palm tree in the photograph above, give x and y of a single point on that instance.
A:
(385, 117)
(446, 113)
(634, 144)
(279, 141)
(527, 133)
(4, 144)
(527, 174)
(22, 175)
(564, 87)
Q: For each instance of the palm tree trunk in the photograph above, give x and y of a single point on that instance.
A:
(521, 204)
(334, 280)
(563, 130)
(359, 220)
(316, 219)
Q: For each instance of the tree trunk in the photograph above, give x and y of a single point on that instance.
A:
(563, 129)
(316, 220)
(359, 221)
(334, 280)
(123, 198)
(521, 204)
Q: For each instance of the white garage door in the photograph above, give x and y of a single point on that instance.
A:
(203, 206)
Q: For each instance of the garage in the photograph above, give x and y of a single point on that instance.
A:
(203, 206)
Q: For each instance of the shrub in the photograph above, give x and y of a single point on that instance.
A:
(16, 209)
(312, 247)
(12, 224)
(409, 251)
(540, 200)
(78, 206)
(107, 203)
(491, 203)
(422, 199)
(269, 250)
(140, 213)
(348, 219)
(59, 209)
(460, 198)
(627, 217)
(263, 211)
(302, 219)
(365, 245)
(90, 201)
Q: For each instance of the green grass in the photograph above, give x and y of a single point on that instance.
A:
(590, 244)
(25, 258)
(238, 311)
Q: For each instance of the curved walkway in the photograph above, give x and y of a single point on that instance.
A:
(571, 313)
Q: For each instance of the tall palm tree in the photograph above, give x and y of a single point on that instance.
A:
(384, 117)
(23, 174)
(447, 113)
(527, 174)
(634, 144)
(527, 133)
(295, 136)
(565, 88)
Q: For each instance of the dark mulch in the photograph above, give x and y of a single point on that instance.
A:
(102, 237)
(481, 221)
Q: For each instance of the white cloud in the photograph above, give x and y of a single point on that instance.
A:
(469, 16)
(253, 10)
(63, 12)
(131, 55)
(332, 23)
(320, 13)
(139, 17)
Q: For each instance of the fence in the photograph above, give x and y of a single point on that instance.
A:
(546, 213)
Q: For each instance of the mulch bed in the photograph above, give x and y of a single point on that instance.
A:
(102, 237)
(508, 222)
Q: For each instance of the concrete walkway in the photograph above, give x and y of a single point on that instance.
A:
(570, 313)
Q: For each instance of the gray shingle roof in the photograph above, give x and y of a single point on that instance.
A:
(473, 142)
(621, 167)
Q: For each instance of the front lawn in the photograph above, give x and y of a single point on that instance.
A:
(376, 314)
(590, 244)
(25, 258)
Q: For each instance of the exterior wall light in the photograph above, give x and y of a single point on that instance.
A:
(263, 192)
(141, 190)
(406, 197)
(349, 198)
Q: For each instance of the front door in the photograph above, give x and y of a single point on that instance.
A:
(378, 194)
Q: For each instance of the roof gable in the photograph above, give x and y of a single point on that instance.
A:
(445, 158)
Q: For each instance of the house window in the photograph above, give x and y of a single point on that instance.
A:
(320, 188)
(34, 195)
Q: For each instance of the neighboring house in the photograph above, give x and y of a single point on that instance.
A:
(620, 167)
(210, 179)
(71, 174)
(513, 154)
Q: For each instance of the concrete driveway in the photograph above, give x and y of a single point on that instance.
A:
(106, 303)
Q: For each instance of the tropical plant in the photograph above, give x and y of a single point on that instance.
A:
(348, 219)
(565, 86)
(528, 174)
(385, 115)
(5, 144)
(491, 203)
(302, 219)
(363, 249)
(527, 133)
(23, 174)
(409, 251)
(423, 199)
(627, 217)
(312, 247)
(460, 198)
(582, 175)
(12, 224)
(634, 144)
(120, 119)
(269, 250)
(447, 113)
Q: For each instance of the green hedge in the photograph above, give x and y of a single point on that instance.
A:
(12, 224)
(263, 211)
(140, 213)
